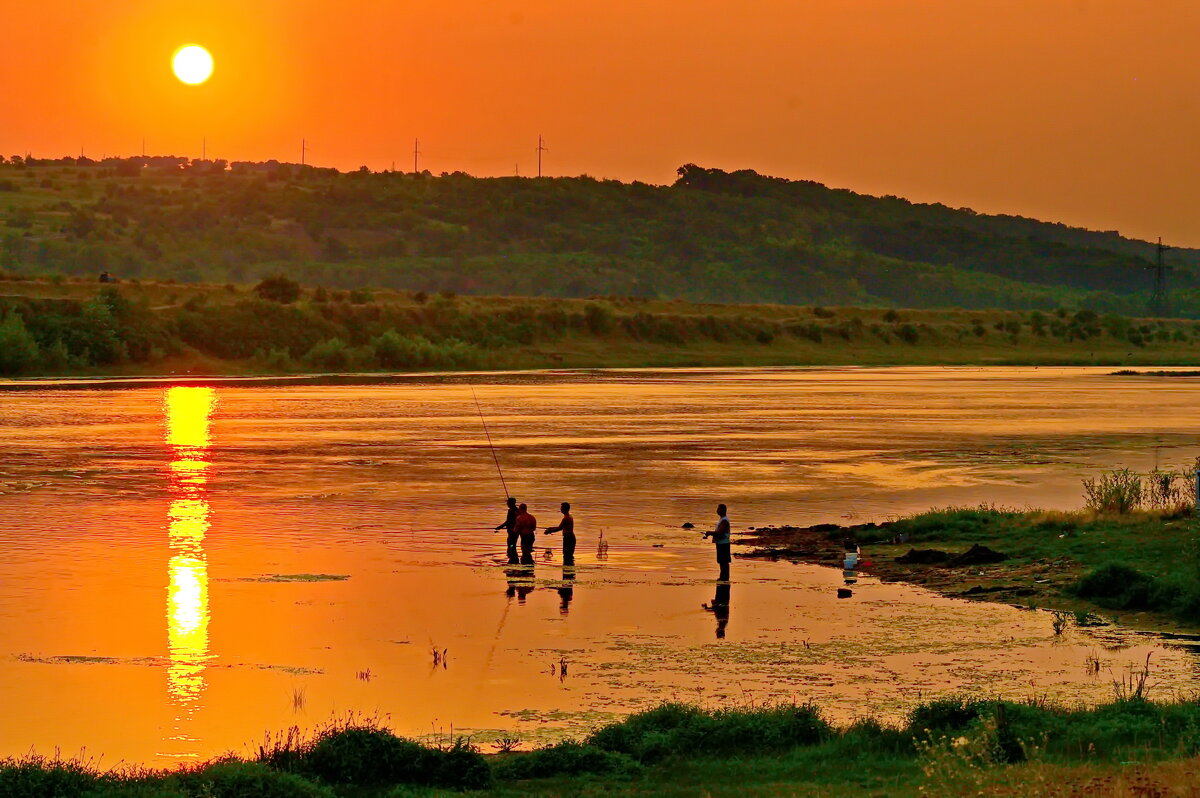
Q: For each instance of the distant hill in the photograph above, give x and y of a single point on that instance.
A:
(712, 236)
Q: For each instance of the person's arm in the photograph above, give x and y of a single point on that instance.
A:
(550, 530)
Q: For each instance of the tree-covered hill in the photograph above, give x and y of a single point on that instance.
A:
(712, 236)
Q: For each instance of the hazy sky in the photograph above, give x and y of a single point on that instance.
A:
(1083, 111)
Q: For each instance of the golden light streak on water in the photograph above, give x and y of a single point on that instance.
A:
(188, 411)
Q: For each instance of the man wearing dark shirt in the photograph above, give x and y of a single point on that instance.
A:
(526, 529)
(567, 527)
(509, 524)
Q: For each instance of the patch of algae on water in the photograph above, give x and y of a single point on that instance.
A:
(297, 578)
(540, 727)
(295, 670)
(69, 659)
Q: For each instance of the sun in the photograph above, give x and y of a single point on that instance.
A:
(192, 64)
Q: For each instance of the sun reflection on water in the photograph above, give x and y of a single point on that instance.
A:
(187, 411)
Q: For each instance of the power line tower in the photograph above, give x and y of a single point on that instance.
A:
(1160, 304)
(303, 151)
(416, 155)
(541, 147)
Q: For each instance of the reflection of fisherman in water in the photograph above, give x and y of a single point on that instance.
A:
(526, 529)
(519, 585)
(567, 527)
(566, 591)
(720, 608)
(509, 524)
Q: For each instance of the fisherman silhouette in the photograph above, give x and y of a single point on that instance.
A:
(720, 538)
(567, 527)
(526, 528)
(720, 608)
(510, 524)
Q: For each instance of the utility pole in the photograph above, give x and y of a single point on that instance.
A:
(540, 149)
(303, 150)
(1159, 302)
(416, 155)
(143, 146)
(204, 149)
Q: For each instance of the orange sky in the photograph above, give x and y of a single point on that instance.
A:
(1084, 111)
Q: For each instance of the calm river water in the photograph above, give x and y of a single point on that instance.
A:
(184, 569)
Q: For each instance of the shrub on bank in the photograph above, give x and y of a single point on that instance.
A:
(682, 730)
(234, 778)
(18, 349)
(1121, 587)
(36, 776)
(364, 754)
(568, 758)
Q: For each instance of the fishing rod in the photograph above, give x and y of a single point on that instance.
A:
(490, 446)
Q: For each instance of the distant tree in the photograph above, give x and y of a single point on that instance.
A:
(278, 288)
(18, 349)
(80, 224)
(129, 167)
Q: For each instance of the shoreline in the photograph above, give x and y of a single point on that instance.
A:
(968, 567)
(231, 378)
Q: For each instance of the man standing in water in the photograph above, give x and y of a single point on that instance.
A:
(567, 527)
(510, 523)
(720, 537)
(526, 529)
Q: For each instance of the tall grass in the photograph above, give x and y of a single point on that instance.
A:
(952, 740)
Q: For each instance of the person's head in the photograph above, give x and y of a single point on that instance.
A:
(565, 507)
(512, 502)
(524, 508)
(721, 510)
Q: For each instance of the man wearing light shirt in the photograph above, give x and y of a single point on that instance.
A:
(720, 537)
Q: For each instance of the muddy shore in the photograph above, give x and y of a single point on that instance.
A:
(957, 570)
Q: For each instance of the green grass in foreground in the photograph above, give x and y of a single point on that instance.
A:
(946, 747)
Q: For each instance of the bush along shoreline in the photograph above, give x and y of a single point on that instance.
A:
(279, 327)
(943, 744)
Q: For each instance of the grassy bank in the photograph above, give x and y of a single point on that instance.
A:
(64, 327)
(1141, 566)
(947, 747)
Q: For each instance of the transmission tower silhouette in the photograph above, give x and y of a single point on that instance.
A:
(1160, 305)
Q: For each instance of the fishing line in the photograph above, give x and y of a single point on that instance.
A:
(489, 440)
